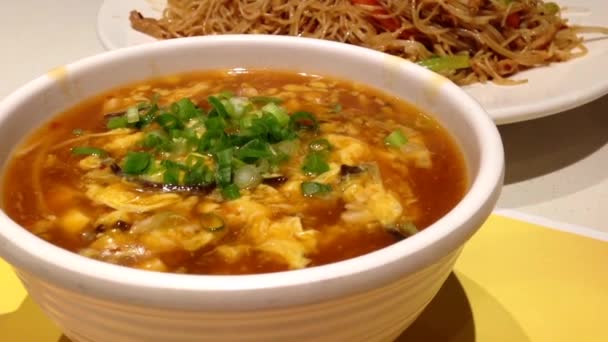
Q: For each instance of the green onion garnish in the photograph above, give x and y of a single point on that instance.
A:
(117, 122)
(185, 110)
(77, 132)
(396, 139)
(314, 188)
(225, 95)
(231, 192)
(218, 106)
(88, 151)
(278, 112)
(247, 176)
(172, 171)
(156, 140)
(169, 122)
(198, 174)
(132, 115)
(254, 150)
(224, 166)
(315, 164)
(136, 163)
(303, 120)
(240, 106)
(246, 137)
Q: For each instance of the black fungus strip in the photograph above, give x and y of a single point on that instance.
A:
(116, 169)
(114, 114)
(100, 228)
(275, 181)
(346, 170)
(122, 225)
(147, 186)
(189, 189)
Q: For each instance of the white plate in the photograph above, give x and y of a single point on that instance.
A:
(549, 90)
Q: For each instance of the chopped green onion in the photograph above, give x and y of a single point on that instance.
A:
(231, 192)
(237, 163)
(240, 105)
(218, 106)
(195, 159)
(287, 147)
(224, 166)
(263, 166)
(215, 125)
(253, 150)
(132, 115)
(320, 145)
(171, 174)
(245, 141)
(314, 189)
(199, 174)
(169, 122)
(151, 140)
(395, 139)
(150, 114)
(117, 122)
(247, 177)
(77, 132)
(229, 108)
(212, 222)
(301, 120)
(266, 99)
(315, 164)
(186, 110)
(246, 121)
(279, 113)
(225, 95)
(446, 63)
(88, 151)
(136, 163)
(156, 140)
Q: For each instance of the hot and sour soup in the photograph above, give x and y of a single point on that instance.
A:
(230, 172)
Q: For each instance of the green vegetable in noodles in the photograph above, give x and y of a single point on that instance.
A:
(446, 63)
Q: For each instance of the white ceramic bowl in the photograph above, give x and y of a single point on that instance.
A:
(370, 298)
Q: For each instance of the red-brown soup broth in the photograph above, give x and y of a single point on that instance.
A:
(77, 202)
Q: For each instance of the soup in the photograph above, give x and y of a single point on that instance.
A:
(234, 172)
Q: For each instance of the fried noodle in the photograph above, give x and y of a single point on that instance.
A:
(500, 37)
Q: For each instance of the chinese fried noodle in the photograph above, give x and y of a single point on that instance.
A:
(498, 38)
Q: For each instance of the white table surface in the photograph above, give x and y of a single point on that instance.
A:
(557, 167)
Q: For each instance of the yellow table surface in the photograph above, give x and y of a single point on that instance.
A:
(515, 281)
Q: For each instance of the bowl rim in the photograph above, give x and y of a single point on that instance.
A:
(34, 256)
